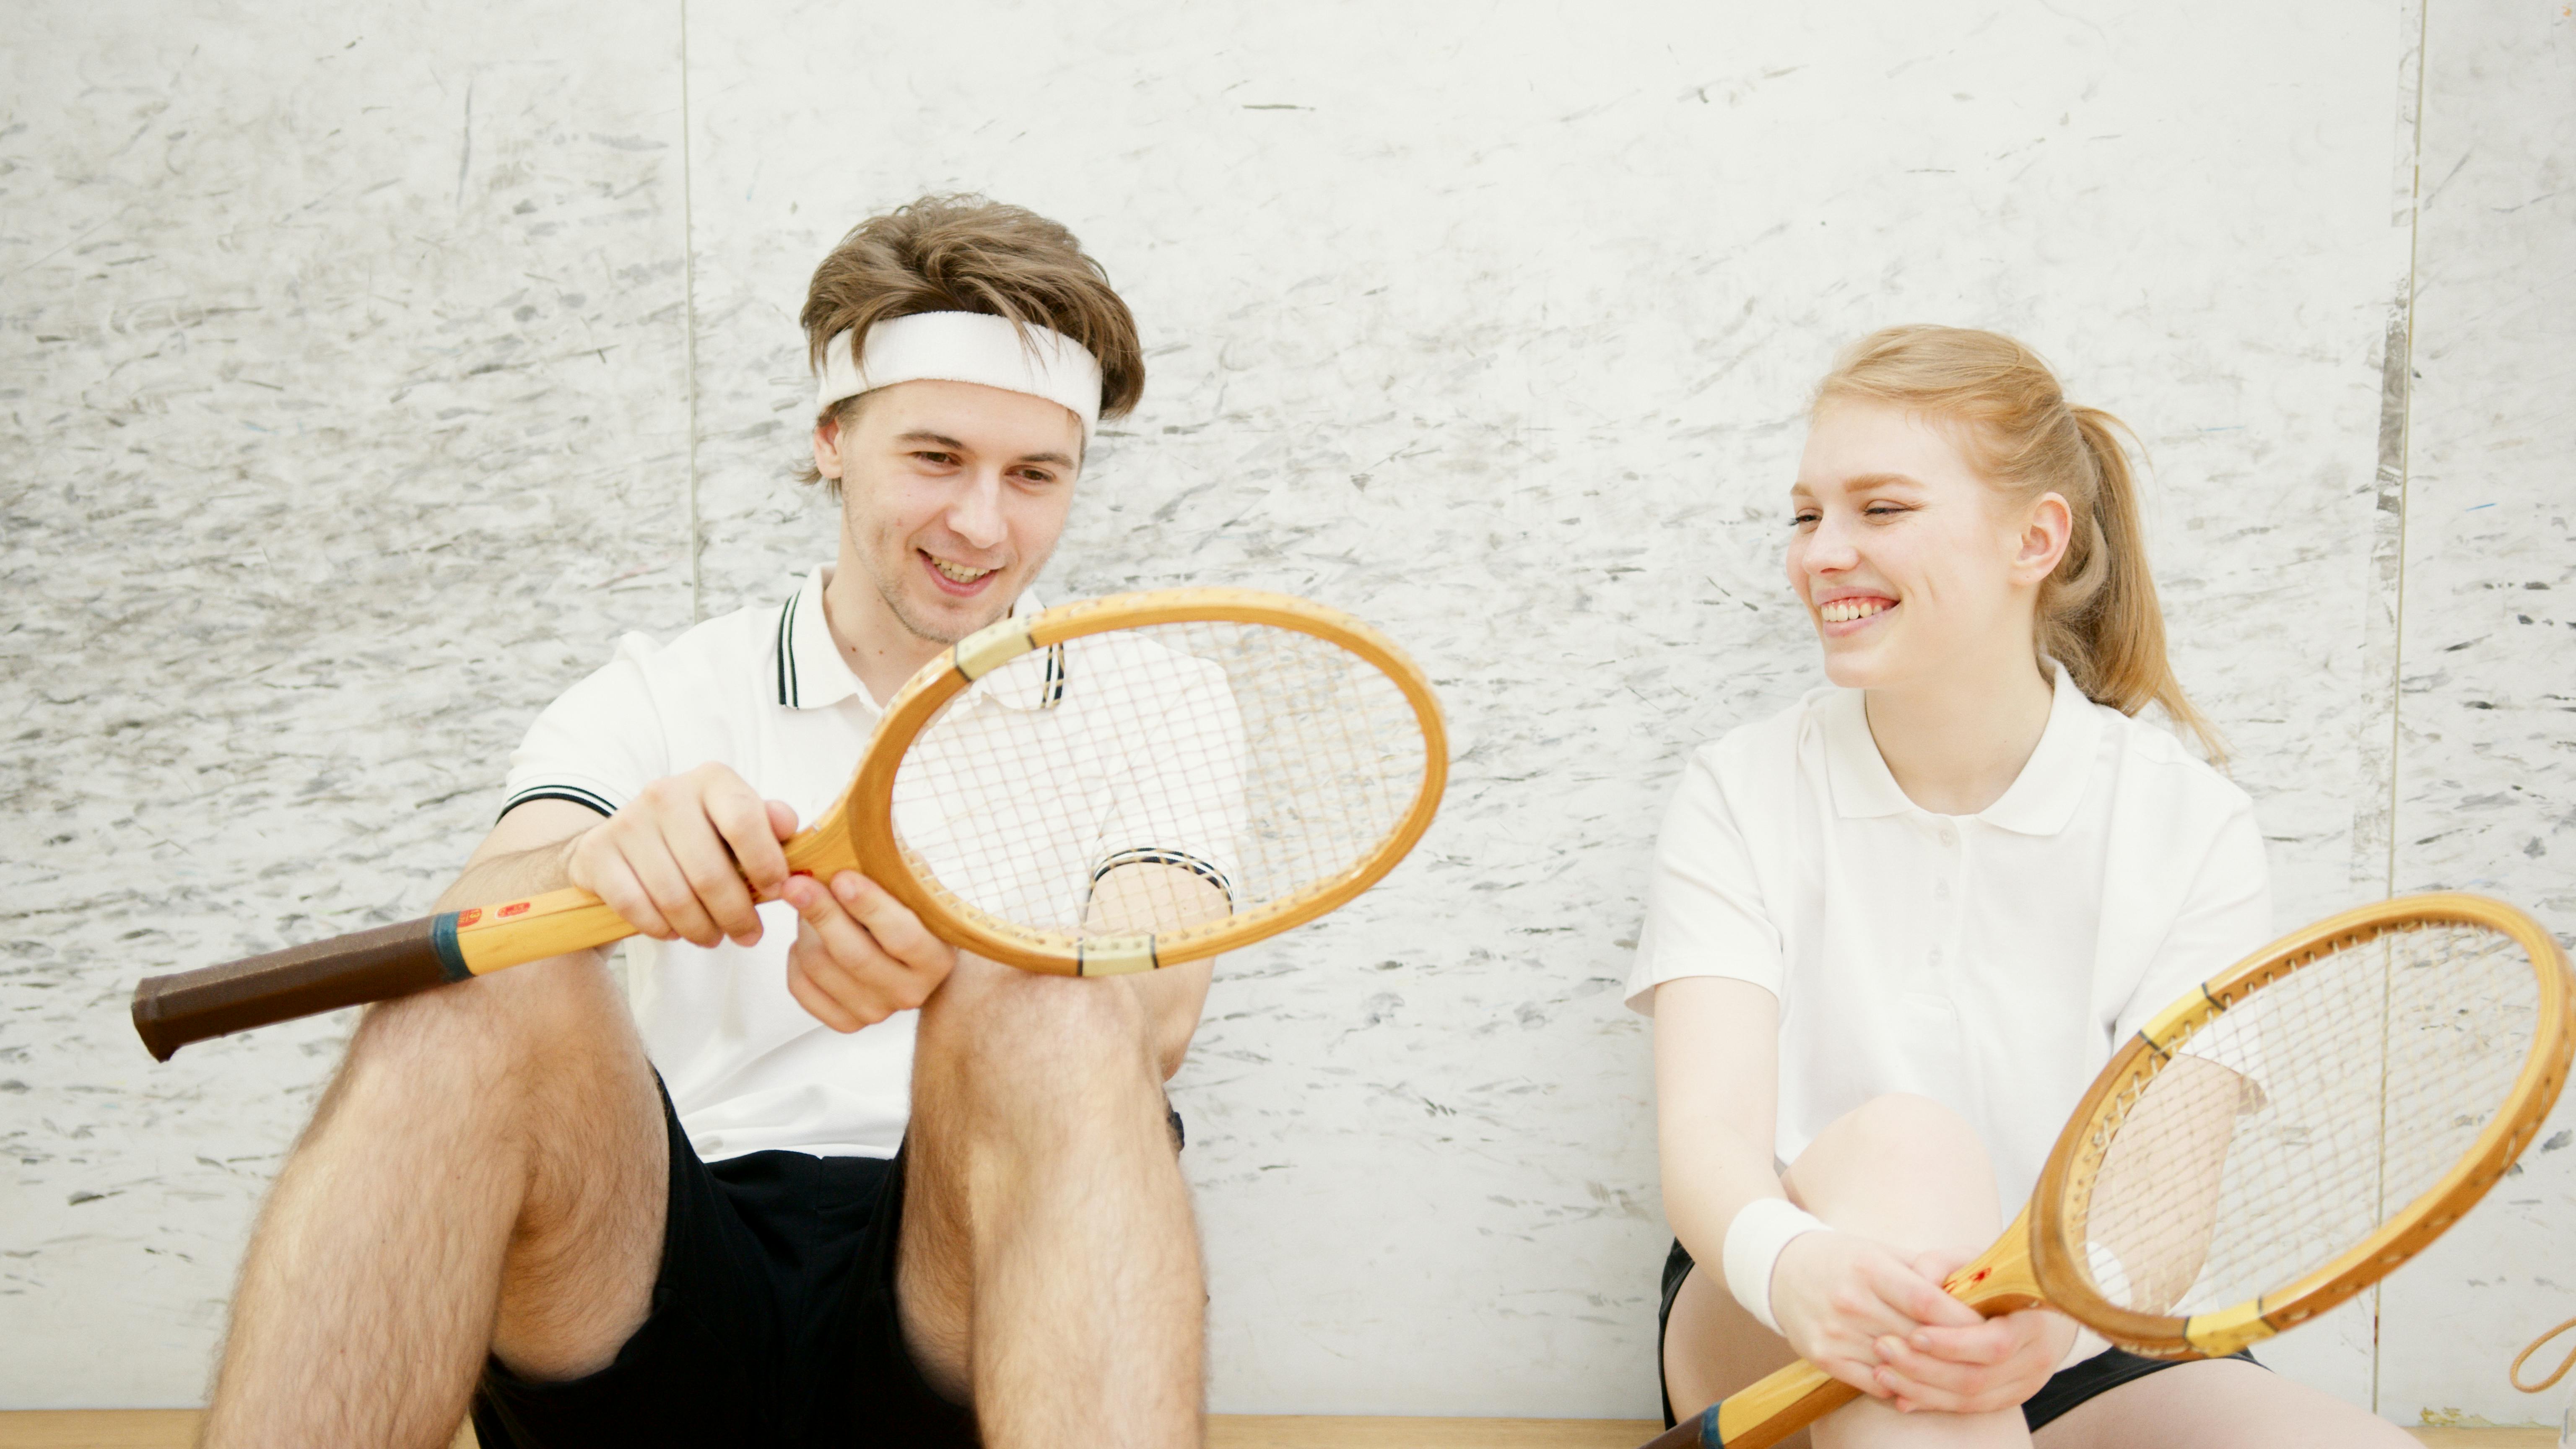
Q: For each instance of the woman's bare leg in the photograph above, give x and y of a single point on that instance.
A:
(2219, 1404)
(1902, 1170)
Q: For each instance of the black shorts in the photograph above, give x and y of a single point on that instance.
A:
(2066, 1388)
(773, 1322)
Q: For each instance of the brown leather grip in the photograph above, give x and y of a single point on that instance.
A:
(172, 1011)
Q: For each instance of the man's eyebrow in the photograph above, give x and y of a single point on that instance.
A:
(923, 435)
(942, 440)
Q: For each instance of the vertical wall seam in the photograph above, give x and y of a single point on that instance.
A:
(2405, 404)
(689, 320)
(2397, 431)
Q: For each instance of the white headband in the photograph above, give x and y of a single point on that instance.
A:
(965, 347)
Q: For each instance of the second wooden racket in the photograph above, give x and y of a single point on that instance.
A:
(2269, 1146)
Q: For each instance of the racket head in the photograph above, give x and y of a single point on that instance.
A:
(1283, 753)
(2303, 1124)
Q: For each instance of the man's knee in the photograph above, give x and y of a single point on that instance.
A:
(1013, 1034)
(488, 1043)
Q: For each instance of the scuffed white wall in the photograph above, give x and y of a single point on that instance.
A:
(348, 362)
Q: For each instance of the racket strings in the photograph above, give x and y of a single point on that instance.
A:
(1168, 775)
(2284, 1131)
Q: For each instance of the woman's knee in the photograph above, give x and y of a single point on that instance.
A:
(1902, 1130)
(1901, 1168)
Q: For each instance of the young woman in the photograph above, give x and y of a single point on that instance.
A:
(1895, 930)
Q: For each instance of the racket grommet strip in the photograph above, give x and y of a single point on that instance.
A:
(1116, 956)
(992, 646)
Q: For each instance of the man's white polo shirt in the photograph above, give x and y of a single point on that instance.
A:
(1989, 961)
(766, 692)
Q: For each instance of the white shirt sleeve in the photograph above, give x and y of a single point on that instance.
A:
(599, 743)
(1705, 911)
(2226, 915)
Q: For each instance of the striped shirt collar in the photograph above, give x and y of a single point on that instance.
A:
(808, 672)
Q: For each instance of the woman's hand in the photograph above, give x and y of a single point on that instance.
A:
(1841, 1300)
(1994, 1364)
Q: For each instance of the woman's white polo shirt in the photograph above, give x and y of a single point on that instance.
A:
(1987, 961)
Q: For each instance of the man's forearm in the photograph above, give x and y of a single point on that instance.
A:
(505, 876)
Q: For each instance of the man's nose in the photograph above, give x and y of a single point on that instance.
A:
(975, 515)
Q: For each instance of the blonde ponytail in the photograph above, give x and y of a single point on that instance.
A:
(2098, 614)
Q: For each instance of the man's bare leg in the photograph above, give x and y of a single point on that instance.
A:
(487, 1170)
(1049, 1266)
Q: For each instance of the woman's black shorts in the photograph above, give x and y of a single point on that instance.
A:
(2065, 1388)
(773, 1322)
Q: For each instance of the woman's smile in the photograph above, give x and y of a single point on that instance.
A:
(1849, 615)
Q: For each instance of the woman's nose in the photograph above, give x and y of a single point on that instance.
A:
(1828, 548)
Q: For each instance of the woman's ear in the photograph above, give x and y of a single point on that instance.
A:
(2045, 531)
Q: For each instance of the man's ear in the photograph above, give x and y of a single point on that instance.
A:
(2045, 532)
(827, 446)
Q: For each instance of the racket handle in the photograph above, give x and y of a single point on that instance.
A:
(378, 965)
(1763, 1413)
(172, 1011)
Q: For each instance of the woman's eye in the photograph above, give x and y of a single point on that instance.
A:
(1803, 518)
(1882, 510)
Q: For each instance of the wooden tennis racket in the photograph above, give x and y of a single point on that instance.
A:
(2269, 1146)
(1103, 787)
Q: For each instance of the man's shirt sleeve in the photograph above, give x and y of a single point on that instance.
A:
(599, 743)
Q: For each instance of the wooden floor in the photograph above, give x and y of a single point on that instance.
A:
(170, 1429)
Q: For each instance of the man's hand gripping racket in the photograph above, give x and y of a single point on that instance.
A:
(1231, 763)
(2269, 1146)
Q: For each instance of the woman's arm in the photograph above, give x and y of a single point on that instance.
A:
(1717, 1089)
(1854, 1307)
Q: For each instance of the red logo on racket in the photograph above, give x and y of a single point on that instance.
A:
(514, 908)
(468, 916)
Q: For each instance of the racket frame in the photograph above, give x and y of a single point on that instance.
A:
(2031, 1264)
(861, 825)
(2066, 1182)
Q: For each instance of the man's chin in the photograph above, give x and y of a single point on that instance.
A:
(944, 620)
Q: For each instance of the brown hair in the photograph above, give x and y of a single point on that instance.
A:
(967, 254)
(2097, 610)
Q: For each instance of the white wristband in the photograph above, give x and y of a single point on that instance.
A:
(1754, 1240)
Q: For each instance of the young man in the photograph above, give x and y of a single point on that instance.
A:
(884, 1193)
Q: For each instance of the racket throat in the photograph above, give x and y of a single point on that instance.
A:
(1116, 956)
